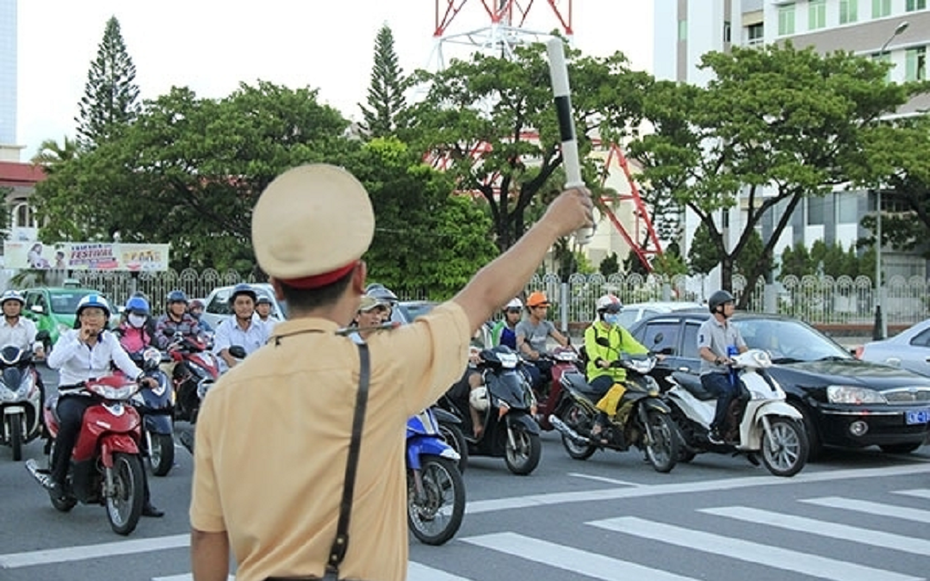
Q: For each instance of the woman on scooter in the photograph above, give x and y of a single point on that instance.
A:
(137, 329)
(602, 375)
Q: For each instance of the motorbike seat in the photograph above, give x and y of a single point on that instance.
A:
(576, 380)
(692, 383)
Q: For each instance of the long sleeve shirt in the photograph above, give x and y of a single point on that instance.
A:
(77, 362)
(188, 326)
(22, 334)
(620, 341)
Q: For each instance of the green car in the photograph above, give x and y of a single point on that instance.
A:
(53, 309)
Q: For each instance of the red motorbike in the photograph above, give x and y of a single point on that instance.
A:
(106, 464)
(564, 360)
(194, 375)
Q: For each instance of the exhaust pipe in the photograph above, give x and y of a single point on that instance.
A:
(41, 475)
(565, 429)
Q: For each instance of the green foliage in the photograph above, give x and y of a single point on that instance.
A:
(670, 263)
(754, 257)
(796, 261)
(776, 120)
(704, 254)
(386, 103)
(610, 265)
(111, 96)
(481, 116)
(428, 241)
(824, 259)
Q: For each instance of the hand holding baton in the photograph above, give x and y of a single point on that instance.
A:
(558, 71)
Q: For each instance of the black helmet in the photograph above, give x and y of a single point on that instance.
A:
(177, 296)
(718, 298)
(382, 293)
(242, 289)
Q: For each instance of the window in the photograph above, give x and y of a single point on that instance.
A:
(881, 8)
(689, 341)
(682, 30)
(727, 31)
(815, 211)
(884, 58)
(817, 14)
(848, 11)
(23, 216)
(915, 60)
(669, 331)
(786, 19)
(922, 339)
(847, 208)
(913, 5)
(756, 33)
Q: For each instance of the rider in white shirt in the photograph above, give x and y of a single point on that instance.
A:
(242, 328)
(19, 331)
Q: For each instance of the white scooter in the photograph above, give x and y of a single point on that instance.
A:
(767, 424)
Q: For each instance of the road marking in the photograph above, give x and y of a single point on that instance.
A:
(552, 498)
(48, 556)
(824, 529)
(918, 492)
(415, 572)
(603, 479)
(185, 577)
(877, 508)
(756, 553)
(574, 560)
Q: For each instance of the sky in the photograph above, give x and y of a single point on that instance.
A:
(211, 46)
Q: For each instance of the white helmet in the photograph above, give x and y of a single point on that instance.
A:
(514, 304)
(610, 303)
(12, 295)
(478, 398)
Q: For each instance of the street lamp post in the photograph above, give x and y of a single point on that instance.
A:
(880, 330)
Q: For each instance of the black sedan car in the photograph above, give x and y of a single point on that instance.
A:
(845, 402)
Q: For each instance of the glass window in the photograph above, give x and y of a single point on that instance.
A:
(756, 33)
(913, 5)
(815, 211)
(669, 330)
(881, 8)
(885, 57)
(915, 64)
(848, 208)
(849, 11)
(817, 14)
(682, 30)
(689, 341)
(786, 19)
(922, 339)
(727, 31)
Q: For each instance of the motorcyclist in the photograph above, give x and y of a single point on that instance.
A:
(385, 295)
(195, 309)
(137, 329)
(80, 354)
(242, 327)
(504, 331)
(532, 335)
(602, 374)
(715, 338)
(19, 331)
(176, 320)
(263, 307)
(371, 313)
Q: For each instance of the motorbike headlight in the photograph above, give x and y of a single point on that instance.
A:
(854, 395)
(26, 386)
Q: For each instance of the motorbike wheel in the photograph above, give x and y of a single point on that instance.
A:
(124, 505)
(576, 418)
(662, 451)
(524, 457)
(453, 436)
(16, 436)
(60, 504)
(436, 516)
(784, 450)
(161, 454)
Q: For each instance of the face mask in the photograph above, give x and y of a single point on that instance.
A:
(612, 318)
(136, 321)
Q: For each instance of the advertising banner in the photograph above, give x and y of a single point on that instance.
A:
(86, 256)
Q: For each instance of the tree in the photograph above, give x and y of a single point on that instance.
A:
(752, 255)
(386, 103)
(775, 125)
(796, 261)
(50, 153)
(490, 121)
(703, 256)
(609, 265)
(189, 171)
(111, 96)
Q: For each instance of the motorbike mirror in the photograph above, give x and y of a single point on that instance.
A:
(168, 333)
(602, 341)
(42, 336)
(237, 351)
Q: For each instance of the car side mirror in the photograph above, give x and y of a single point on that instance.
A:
(237, 351)
(658, 338)
(37, 309)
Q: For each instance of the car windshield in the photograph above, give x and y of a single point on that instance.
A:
(220, 304)
(788, 340)
(65, 303)
(412, 310)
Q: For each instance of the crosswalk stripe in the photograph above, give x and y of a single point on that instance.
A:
(902, 512)
(918, 492)
(577, 561)
(760, 554)
(128, 547)
(418, 572)
(824, 529)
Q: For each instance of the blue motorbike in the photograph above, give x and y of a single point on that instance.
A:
(435, 489)
(157, 411)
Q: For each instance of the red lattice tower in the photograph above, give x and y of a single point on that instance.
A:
(502, 25)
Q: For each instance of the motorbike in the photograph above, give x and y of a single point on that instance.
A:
(435, 489)
(759, 420)
(642, 420)
(508, 407)
(194, 374)
(450, 426)
(564, 360)
(154, 405)
(106, 464)
(187, 437)
(20, 399)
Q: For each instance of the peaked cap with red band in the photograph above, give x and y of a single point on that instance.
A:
(311, 225)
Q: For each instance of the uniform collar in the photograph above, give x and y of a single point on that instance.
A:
(5, 323)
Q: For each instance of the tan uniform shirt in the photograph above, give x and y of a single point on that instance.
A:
(273, 438)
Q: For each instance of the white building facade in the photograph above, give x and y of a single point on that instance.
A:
(686, 29)
(8, 69)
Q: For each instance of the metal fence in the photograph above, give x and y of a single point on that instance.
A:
(817, 300)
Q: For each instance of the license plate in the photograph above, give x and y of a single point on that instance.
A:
(917, 417)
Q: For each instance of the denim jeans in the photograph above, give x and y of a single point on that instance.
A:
(718, 384)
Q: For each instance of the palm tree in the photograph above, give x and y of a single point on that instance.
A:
(51, 154)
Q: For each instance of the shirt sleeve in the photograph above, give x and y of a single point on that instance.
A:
(629, 344)
(65, 348)
(703, 338)
(221, 337)
(122, 360)
(206, 510)
(160, 339)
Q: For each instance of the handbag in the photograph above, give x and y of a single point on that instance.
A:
(341, 543)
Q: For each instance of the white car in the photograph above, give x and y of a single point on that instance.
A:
(909, 349)
(217, 309)
(636, 311)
